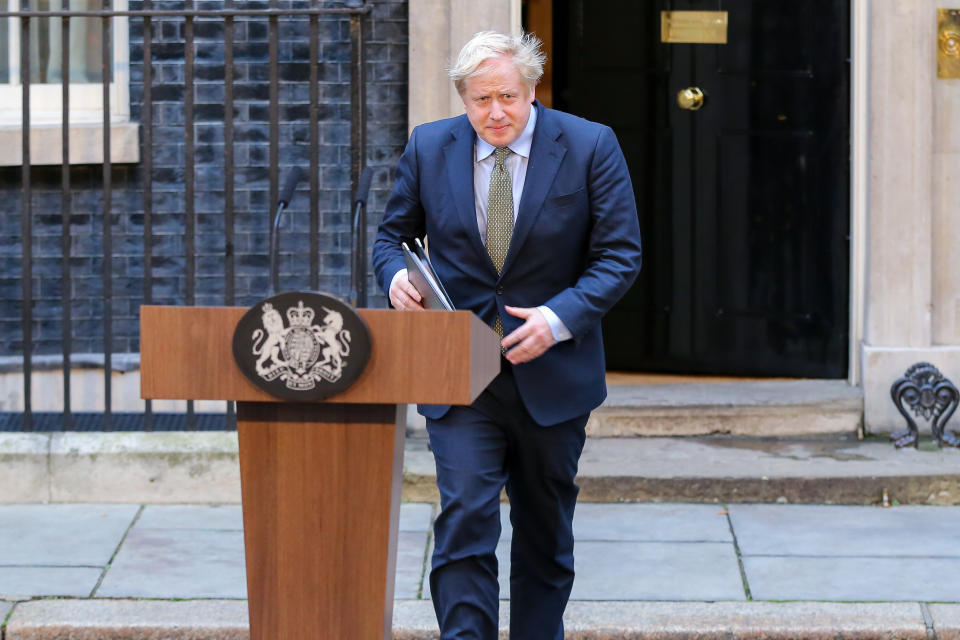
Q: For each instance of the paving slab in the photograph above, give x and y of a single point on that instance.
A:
(677, 523)
(651, 522)
(853, 579)
(656, 571)
(946, 620)
(411, 547)
(416, 516)
(5, 608)
(413, 540)
(178, 563)
(416, 620)
(640, 522)
(207, 543)
(211, 517)
(29, 582)
(825, 530)
(506, 527)
(643, 571)
(62, 534)
(129, 620)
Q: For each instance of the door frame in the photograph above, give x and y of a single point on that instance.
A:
(859, 181)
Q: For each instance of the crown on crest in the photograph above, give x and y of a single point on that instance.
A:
(300, 316)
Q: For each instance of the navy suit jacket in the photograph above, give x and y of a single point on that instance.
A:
(575, 245)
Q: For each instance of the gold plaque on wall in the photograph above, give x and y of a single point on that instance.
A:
(693, 27)
(948, 43)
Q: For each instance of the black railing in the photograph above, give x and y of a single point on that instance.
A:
(186, 18)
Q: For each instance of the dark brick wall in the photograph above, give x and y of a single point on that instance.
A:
(386, 51)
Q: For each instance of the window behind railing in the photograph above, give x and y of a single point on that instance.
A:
(226, 97)
(48, 60)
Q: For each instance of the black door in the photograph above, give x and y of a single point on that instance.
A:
(744, 203)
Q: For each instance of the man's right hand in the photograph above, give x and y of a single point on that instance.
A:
(403, 295)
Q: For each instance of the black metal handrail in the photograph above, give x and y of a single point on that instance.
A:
(188, 15)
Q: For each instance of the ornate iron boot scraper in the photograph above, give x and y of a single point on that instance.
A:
(924, 389)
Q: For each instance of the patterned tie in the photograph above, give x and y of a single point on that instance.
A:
(499, 217)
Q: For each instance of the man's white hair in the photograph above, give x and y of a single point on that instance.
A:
(523, 50)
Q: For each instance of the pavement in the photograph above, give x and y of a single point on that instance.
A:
(644, 570)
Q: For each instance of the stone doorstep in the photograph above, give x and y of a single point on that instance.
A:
(776, 408)
(799, 420)
(414, 620)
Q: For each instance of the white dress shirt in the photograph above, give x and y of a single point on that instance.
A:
(516, 163)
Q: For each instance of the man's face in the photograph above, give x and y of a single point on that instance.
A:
(497, 101)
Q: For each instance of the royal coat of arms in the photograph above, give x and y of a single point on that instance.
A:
(301, 353)
(301, 343)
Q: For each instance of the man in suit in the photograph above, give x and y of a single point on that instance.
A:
(532, 225)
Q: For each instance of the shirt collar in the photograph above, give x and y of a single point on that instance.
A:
(520, 146)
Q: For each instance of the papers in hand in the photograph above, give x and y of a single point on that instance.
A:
(422, 276)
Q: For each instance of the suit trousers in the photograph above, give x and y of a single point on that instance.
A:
(479, 450)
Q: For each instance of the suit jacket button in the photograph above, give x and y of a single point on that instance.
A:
(499, 291)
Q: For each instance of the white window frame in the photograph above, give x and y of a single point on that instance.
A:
(86, 107)
(86, 99)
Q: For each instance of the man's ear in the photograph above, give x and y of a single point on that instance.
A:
(533, 94)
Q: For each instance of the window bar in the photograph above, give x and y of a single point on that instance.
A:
(26, 229)
(188, 180)
(358, 142)
(65, 206)
(107, 229)
(228, 182)
(274, 126)
(314, 153)
(146, 115)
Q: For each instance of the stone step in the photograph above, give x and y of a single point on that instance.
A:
(414, 620)
(764, 408)
(203, 467)
(835, 470)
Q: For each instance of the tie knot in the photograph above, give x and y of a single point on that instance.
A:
(501, 154)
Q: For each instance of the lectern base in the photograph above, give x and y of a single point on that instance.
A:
(321, 499)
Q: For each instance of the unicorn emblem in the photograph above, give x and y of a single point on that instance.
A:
(301, 353)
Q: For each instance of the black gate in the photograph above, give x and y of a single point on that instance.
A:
(182, 234)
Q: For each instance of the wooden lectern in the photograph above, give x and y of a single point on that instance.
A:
(321, 481)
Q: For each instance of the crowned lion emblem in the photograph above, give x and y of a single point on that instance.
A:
(299, 352)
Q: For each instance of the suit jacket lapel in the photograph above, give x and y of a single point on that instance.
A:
(546, 153)
(458, 156)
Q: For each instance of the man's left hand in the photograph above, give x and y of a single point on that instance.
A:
(530, 339)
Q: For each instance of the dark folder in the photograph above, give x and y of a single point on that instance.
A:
(425, 260)
(422, 276)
